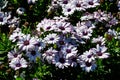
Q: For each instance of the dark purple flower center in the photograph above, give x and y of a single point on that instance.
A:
(85, 33)
(55, 2)
(1, 19)
(68, 50)
(62, 60)
(88, 64)
(90, 3)
(15, 55)
(89, 56)
(99, 53)
(48, 27)
(26, 42)
(74, 59)
(78, 5)
(69, 10)
(65, 2)
(61, 42)
(33, 53)
(18, 65)
(62, 28)
(51, 39)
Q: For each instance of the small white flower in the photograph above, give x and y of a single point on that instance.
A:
(92, 3)
(69, 50)
(99, 40)
(118, 5)
(61, 61)
(63, 27)
(88, 66)
(27, 43)
(4, 16)
(87, 16)
(49, 55)
(68, 9)
(18, 63)
(20, 11)
(88, 56)
(14, 54)
(16, 36)
(100, 52)
(46, 25)
(51, 38)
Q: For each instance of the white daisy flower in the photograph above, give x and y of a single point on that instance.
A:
(87, 16)
(27, 43)
(46, 25)
(18, 63)
(63, 27)
(49, 55)
(100, 16)
(92, 3)
(68, 50)
(33, 55)
(4, 16)
(73, 61)
(52, 38)
(79, 5)
(16, 36)
(68, 9)
(88, 56)
(88, 66)
(61, 61)
(14, 54)
(99, 40)
(100, 52)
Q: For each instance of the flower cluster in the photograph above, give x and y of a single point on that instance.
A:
(69, 6)
(59, 42)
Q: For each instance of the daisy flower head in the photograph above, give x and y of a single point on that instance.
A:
(16, 36)
(27, 43)
(84, 32)
(63, 27)
(99, 40)
(88, 66)
(101, 16)
(51, 38)
(87, 16)
(33, 54)
(4, 16)
(68, 9)
(88, 56)
(18, 63)
(61, 62)
(63, 3)
(100, 52)
(46, 25)
(14, 54)
(50, 54)
(73, 60)
(92, 3)
(14, 22)
(79, 5)
(68, 50)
